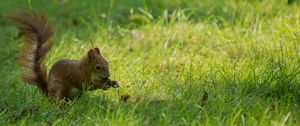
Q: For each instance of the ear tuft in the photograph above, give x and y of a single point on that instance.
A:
(97, 51)
(91, 53)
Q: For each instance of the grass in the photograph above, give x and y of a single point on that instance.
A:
(166, 54)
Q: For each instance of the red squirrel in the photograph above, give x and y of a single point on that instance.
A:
(67, 78)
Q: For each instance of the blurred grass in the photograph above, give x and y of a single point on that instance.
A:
(165, 53)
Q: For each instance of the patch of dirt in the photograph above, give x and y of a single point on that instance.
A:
(204, 98)
(125, 97)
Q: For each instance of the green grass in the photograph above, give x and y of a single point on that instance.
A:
(166, 54)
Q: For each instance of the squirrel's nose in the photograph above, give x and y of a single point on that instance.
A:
(107, 75)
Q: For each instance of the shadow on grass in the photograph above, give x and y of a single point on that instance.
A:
(290, 92)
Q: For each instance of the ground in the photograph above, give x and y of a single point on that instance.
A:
(193, 62)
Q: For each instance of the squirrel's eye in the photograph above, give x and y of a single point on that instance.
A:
(98, 67)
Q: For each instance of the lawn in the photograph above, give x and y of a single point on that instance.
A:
(182, 62)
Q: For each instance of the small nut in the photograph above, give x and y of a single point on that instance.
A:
(115, 84)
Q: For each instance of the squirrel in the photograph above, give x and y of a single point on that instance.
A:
(67, 78)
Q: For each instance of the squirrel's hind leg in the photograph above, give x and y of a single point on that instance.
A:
(56, 89)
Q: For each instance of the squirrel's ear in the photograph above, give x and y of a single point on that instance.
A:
(97, 51)
(91, 53)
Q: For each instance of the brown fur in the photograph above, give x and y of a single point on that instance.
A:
(67, 78)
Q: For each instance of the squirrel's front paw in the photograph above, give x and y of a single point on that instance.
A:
(114, 84)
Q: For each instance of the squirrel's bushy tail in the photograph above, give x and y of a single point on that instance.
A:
(36, 31)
